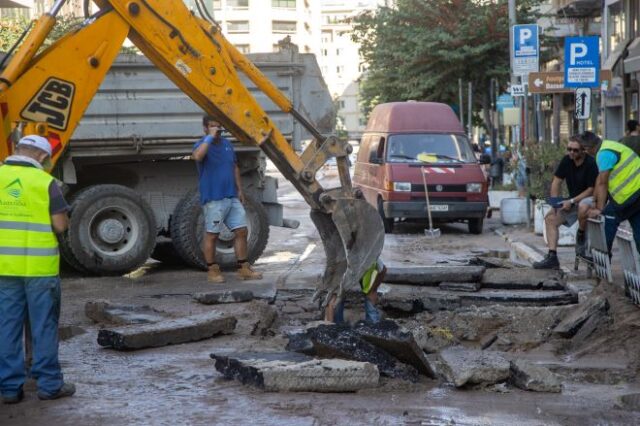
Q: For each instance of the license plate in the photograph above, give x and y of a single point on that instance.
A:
(439, 207)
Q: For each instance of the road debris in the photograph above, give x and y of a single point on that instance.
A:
(223, 296)
(528, 376)
(105, 312)
(570, 325)
(463, 366)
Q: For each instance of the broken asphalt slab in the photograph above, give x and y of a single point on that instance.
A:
(168, 332)
(468, 287)
(341, 341)
(433, 275)
(570, 325)
(388, 336)
(528, 376)
(522, 279)
(293, 372)
(462, 366)
(223, 296)
(106, 312)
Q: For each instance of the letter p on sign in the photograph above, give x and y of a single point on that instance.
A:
(525, 34)
(578, 50)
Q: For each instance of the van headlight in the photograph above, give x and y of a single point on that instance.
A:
(402, 186)
(474, 187)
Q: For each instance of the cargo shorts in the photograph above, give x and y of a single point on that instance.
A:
(568, 218)
(228, 211)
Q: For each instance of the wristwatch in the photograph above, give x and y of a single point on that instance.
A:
(572, 201)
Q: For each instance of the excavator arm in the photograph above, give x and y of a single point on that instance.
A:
(47, 93)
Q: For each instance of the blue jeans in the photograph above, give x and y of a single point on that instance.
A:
(612, 222)
(371, 312)
(41, 298)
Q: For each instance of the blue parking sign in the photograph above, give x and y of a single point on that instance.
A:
(526, 50)
(582, 61)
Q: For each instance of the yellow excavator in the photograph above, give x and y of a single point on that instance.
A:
(45, 91)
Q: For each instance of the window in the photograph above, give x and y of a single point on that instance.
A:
(283, 26)
(217, 4)
(617, 26)
(340, 69)
(243, 48)
(238, 4)
(339, 51)
(341, 104)
(327, 37)
(325, 52)
(238, 26)
(284, 4)
(448, 149)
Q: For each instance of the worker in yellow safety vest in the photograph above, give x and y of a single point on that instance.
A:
(619, 183)
(32, 211)
(369, 283)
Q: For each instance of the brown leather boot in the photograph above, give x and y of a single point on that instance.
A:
(246, 273)
(214, 275)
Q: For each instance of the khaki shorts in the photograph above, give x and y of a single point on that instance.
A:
(570, 217)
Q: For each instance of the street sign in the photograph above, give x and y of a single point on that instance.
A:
(581, 61)
(526, 49)
(583, 103)
(553, 82)
(517, 90)
(504, 101)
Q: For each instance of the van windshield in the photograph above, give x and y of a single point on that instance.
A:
(429, 148)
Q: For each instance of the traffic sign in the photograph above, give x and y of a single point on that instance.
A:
(517, 90)
(553, 82)
(581, 61)
(526, 49)
(583, 103)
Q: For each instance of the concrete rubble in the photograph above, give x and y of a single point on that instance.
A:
(168, 332)
(448, 286)
(223, 296)
(570, 325)
(532, 377)
(462, 366)
(293, 372)
(518, 279)
(341, 341)
(105, 312)
(434, 275)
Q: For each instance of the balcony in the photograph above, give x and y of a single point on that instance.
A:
(578, 8)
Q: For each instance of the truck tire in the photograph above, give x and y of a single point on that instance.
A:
(476, 225)
(187, 230)
(112, 230)
(387, 222)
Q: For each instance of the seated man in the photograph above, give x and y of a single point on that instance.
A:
(369, 284)
(590, 143)
(580, 172)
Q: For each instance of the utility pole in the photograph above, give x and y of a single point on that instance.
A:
(470, 114)
(460, 99)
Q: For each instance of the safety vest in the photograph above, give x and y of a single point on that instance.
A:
(624, 179)
(369, 277)
(28, 246)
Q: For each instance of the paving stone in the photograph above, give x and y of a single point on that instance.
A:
(532, 377)
(292, 372)
(522, 279)
(432, 339)
(433, 275)
(473, 367)
(388, 336)
(168, 332)
(265, 316)
(105, 312)
(341, 341)
(468, 287)
(494, 262)
(572, 323)
(224, 296)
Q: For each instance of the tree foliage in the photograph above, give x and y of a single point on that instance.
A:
(418, 49)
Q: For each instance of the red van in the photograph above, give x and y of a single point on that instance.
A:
(405, 140)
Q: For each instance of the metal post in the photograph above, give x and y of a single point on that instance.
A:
(512, 22)
(526, 112)
(470, 112)
(460, 100)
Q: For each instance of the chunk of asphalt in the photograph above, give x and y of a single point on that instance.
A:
(104, 312)
(168, 332)
(532, 377)
(341, 341)
(293, 372)
(464, 366)
(224, 296)
(388, 336)
(494, 262)
(522, 279)
(467, 287)
(433, 275)
(570, 325)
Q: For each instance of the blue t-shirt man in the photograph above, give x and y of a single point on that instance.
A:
(216, 172)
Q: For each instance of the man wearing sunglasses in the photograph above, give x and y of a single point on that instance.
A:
(580, 171)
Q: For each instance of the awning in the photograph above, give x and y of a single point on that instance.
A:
(632, 63)
(613, 58)
(16, 3)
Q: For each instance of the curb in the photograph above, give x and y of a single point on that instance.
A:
(524, 250)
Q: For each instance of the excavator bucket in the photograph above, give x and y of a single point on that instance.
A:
(353, 237)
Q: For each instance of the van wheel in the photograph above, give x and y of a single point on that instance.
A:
(387, 222)
(475, 225)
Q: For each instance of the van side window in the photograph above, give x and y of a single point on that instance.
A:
(381, 148)
(363, 152)
(373, 151)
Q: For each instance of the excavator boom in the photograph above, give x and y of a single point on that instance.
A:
(47, 93)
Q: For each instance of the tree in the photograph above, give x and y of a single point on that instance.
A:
(420, 48)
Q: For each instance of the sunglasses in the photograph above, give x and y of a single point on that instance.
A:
(574, 149)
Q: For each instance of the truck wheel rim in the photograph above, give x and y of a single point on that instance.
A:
(113, 230)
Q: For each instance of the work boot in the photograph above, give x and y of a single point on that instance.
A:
(246, 273)
(13, 399)
(215, 275)
(67, 389)
(550, 261)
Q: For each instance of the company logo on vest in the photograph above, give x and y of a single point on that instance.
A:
(14, 189)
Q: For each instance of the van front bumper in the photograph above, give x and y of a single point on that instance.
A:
(418, 209)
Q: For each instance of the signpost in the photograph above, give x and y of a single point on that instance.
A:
(583, 103)
(517, 90)
(526, 49)
(582, 71)
(553, 82)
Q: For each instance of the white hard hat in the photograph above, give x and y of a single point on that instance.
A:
(37, 142)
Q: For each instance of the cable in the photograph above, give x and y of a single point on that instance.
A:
(15, 45)
(208, 15)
